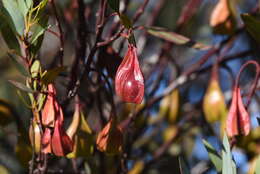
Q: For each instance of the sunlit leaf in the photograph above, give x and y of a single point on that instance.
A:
(175, 38)
(228, 165)
(24, 6)
(252, 25)
(214, 156)
(15, 14)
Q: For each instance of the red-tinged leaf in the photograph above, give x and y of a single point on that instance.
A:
(46, 141)
(61, 142)
(129, 81)
(244, 119)
(176, 38)
(231, 125)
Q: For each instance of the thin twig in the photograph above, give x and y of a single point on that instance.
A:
(61, 37)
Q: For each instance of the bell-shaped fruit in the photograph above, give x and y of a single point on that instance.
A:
(129, 81)
(61, 143)
(214, 106)
(222, 19)
(110, 139)
(238, 121)
(35, 136)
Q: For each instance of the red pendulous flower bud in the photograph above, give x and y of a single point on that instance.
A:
(61, 142)
(50, 107)
(129, 81)
(238, 121)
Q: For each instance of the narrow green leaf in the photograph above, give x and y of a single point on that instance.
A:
(51, 75)
(114, 4)
(228, 165)
(257, 166)
(252, 25)
(21, 86)
(214, 156)
(175, 38)
(183, 167)
(12, 8)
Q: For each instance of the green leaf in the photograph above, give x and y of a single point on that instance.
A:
(183, 167)
(24, 6)
(8, 34)
(214, 156)
(257, 166)
(39, 29)
(126, 21)
(21, 86)
(51, 75)
(114, 4)
(12, 8)
(19, 64)
(228, 165)
(252, 25)
(175, 38)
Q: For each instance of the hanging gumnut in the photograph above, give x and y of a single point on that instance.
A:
(238, 121)
(50, 107)
(61, 143)
(222, 19)
(35, 136)
(174, 106)
(214, 106)
(129, 81)
(46, 141)
(110, 139)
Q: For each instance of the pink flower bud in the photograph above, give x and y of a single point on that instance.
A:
(238, 121)
(61, 142)
(129, 81)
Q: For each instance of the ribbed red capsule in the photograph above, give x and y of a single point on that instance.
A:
(129, 81)
(238, 120)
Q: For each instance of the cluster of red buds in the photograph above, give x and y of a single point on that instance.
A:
(55, 139)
